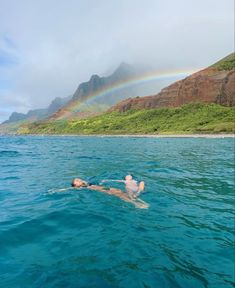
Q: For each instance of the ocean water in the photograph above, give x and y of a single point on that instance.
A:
(82, 238)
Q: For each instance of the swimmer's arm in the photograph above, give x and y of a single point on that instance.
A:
(109, 180)
(64, 189)
(59, 190)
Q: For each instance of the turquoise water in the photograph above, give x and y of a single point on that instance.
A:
(81, 238)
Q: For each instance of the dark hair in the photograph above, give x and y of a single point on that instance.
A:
(84, 184)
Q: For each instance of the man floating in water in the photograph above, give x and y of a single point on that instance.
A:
(132, 188)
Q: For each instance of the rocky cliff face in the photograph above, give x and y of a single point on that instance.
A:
(215, 84)
(56, 104)
(97, 84)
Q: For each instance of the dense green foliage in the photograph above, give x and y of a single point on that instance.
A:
(227, 63)
(191, 118)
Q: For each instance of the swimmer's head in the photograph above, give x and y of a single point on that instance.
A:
(128, 177)
(79, 183)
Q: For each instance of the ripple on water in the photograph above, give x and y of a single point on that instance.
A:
(82, 238)
(9, 153)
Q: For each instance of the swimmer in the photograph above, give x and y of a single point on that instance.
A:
(133, 189)
(79, 183)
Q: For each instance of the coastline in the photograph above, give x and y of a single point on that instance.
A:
(168, 135)
(131, 135)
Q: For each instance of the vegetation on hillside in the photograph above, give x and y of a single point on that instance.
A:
(12, 128)
(227, 63)
(191, 118)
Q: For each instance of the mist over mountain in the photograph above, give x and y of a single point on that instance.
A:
(57, 103)
(38, 114)
(42, 58)
(96, 83)
(100, 93)
(86, 90)
(214, 84)
(122, 90)
(32, 115)
(84, 101)
(200, 103)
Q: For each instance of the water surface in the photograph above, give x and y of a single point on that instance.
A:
(81, 238)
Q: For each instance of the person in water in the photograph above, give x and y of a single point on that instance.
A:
(79, 183)
(133, 188)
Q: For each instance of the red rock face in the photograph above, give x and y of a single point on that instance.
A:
(206, 86)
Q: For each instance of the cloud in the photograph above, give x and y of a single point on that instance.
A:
(6, 59)
(7, 52)
(48, 47)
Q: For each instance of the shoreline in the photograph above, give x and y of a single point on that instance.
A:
(131, 135)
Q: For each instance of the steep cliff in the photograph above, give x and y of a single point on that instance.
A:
(84, 102)
(215, 84)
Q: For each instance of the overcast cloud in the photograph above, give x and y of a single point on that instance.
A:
(47, 47)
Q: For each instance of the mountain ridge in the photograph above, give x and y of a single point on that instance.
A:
(200, 103)
(38, 114)
(212, 85)
(94, 85)
(215, 84)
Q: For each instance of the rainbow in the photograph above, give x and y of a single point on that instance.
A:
(129, 82)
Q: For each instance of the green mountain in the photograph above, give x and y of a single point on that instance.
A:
(215, 84)
(187, 119)
(201, 103)
(84, 103)
(17, 119)
(225, 64)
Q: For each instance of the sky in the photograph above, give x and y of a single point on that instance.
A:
(48, 47)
